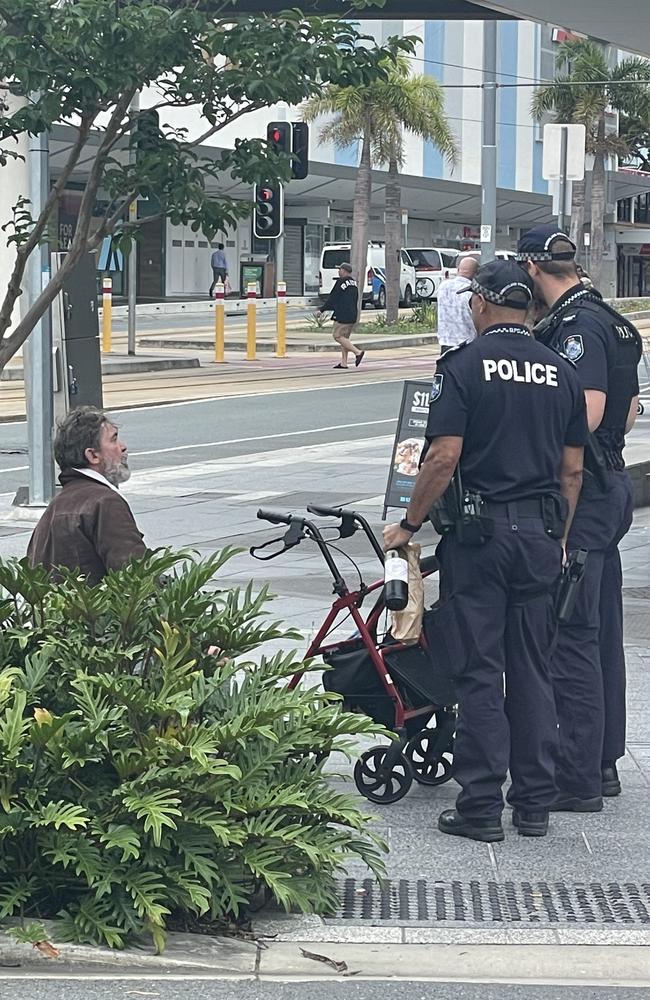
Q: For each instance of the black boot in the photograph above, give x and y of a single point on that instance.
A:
(530, 824)
(487, 830)
(565, 802)
(611, 780)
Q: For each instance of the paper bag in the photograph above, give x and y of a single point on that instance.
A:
(407, 624)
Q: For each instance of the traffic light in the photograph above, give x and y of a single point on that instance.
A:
(300, 150)
(278, 134)
(268, 216)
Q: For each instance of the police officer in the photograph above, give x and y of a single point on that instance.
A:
(589, 664)
(510, 414)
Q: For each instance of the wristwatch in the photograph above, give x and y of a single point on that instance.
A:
(412, 528)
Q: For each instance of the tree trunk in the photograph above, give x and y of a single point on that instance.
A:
(393, 227)
(577, 215)
(361, 216)
(598, 208)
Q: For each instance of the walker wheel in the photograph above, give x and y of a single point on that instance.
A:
(376, 782)
(431, 762)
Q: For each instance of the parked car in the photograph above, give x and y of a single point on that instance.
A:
(432, 265)
(499, 254)
(335, 254)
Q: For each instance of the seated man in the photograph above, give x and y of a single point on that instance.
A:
(88, 526)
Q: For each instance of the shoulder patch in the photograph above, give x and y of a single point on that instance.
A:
(436, 386)
(573, 347)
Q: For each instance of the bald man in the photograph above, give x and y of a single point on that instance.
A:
(455, 324)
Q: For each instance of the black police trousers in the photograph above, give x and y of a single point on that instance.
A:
(502, 599)
(589, 663)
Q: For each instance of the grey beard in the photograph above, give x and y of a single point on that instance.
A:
(118, 474)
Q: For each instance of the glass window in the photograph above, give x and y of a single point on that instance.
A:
(332, 259)
(449, 259)
(426, 260)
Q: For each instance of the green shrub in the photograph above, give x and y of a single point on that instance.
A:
(144, 779)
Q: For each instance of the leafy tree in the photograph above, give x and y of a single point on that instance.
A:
(81, 63)
(146, 778)
(582, 92)
(377, 116)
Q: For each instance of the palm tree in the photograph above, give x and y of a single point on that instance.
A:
(582, 93)
(376, 118)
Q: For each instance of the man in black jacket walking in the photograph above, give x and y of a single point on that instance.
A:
(343, 301)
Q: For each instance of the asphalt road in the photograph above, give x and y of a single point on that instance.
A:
(193, 989)
(182, 433)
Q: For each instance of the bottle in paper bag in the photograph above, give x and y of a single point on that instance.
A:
(396, 580)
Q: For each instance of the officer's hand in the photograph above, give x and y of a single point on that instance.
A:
(395, 537)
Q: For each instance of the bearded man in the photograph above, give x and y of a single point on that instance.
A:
(88, 526)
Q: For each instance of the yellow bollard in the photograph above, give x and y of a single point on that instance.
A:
(219, 322)
(251, 325)
(107, 315)
(281, 321)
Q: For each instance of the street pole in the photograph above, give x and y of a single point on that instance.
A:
(37, 352)
(133, 255)
(561, 215)
(489, 151)
(279, 258)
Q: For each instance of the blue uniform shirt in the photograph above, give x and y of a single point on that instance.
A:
(516, 404)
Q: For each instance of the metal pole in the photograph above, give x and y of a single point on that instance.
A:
(279, 260)
(561, 215)
(38, 347)
(489, 151)
(133, 255)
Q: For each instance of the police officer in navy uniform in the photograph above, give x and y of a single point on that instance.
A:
(589, 663)
(510, 414)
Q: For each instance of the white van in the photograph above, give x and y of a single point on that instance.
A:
(476, 254)
(432, 265)
(335, 254)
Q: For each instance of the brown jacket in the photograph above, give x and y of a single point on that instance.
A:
(88, 527)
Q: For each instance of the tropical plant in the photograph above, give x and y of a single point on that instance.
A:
(583, 92)
(377, 116)
(152, 772)
(82, 64)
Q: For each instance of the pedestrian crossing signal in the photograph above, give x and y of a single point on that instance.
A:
(268, 214)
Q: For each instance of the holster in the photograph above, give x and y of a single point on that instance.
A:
(595, 464)
(555, 509)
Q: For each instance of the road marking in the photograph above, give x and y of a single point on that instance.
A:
(262, 437)
(256, 395)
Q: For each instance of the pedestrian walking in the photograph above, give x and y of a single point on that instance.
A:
(589, 662)
(455, 323)
(219, 267)
(507, 419)
(343, 301)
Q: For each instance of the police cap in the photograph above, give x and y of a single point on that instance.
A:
(545, 243)
(504, 283)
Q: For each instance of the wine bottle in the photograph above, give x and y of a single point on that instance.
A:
(396, 579)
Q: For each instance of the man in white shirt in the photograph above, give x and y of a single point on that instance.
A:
(455, 324)
(88, 526)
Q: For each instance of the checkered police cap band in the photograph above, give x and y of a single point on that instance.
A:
(502, 298)
(547, 253)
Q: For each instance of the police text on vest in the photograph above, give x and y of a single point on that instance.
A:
(517, 371)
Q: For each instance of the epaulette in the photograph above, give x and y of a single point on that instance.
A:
(453, 350)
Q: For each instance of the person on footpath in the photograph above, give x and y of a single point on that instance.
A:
(455, 323)
(343, 302)
(589, 662)
(219, 268)
(507, 416)
(88, 526)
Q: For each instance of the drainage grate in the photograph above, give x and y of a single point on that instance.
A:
(542, 904)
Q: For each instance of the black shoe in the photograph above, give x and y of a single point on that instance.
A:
(571, 803)
(358, 359)
(530, 824)
(611, 780)
(487, 830)
(343, 368)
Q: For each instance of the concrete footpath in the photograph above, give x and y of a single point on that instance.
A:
(572, 908)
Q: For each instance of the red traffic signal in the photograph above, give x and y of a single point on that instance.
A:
(278, 134)
(268, 214)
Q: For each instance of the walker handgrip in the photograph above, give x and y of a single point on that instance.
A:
(274, 516)
(325, 511)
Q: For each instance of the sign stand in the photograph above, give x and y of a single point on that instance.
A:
(408, 444)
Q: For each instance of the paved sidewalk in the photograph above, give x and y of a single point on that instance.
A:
(586, 884)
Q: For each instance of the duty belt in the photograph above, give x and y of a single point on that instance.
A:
(530, 507)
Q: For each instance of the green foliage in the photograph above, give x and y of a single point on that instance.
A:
(147, 777)
(425, 313)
